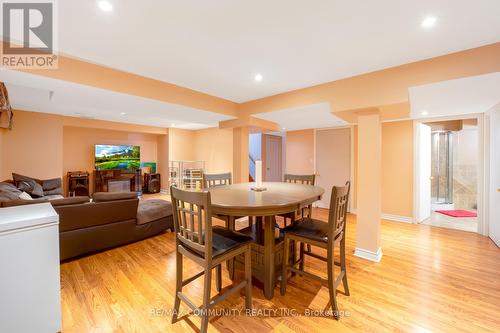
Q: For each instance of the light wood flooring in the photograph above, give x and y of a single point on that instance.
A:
(429, 280)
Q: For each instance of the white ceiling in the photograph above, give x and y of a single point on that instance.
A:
(469, 95)
(40, 94)
(218, 46)
(309, 116)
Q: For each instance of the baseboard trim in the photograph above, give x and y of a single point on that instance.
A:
(397, 218)
(390, 217)
(369, 255)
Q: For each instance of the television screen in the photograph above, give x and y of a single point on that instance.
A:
(117, 157)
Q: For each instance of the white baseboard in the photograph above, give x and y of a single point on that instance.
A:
(397, 218)
(163, 191)
(369, 255)
(390, 217)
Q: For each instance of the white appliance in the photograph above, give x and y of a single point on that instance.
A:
(29, 269)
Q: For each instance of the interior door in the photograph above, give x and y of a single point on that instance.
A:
(333, 160)
(423, 174)
(273, 158)
(494, 204)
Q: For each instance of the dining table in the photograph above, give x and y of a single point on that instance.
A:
(273, 198)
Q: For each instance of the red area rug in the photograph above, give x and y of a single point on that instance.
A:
(457, 213)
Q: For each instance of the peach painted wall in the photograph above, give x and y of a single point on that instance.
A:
(397, 168)
(78, 146)
(47, 146)
(162, 164)
(181, 144)
(397, 164)
(300, 152)
(33, 147)
(215, 147)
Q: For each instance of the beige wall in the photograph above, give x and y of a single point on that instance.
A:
(33, 147)
(397, 164)
(47, 146)
(78, 146)
(215, 147)
(181, 145)
(300, 152)
(397, 168)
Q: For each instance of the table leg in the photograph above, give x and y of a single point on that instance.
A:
(230, 262)
(268, 257)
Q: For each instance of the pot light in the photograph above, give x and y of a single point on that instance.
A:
(425, 113)
(258, 77)
(428, 22)
(105, 5)
(123, 113)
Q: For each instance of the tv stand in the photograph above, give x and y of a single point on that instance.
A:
(108, 180)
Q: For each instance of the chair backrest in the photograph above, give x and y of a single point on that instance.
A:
(193, 219)
(300, 179)
(217, 179)
(338, 211)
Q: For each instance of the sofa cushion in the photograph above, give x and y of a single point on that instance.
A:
(52, 186)
(9, 192)
(113, 196)
(69, 201)
(152, 210)
(21, 202)
(31, 187)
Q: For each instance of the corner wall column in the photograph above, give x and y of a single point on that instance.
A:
(369, 184)
(240, 154)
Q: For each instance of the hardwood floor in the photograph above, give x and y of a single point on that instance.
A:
(429, 279)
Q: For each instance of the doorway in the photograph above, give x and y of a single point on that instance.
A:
(449, 155)
(273, 156)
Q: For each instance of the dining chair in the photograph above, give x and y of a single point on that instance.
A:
(209, 247)
(325, 235)
(222, 179)
(305, 211)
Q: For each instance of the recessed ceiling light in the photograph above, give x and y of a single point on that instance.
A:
(428, 22)
(425, 113)
(258, 77)
(105, 5)
(284, 128)
(123, 113)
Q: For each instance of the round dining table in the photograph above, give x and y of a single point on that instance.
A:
(241, 199)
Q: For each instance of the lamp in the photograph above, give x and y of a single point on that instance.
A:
(5, 108)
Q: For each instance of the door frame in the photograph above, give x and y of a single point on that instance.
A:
(482, 170)
(351, 162)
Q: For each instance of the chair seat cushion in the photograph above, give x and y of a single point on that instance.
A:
(224, 240)
(309, 228)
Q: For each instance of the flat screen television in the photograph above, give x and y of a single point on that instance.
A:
(117, 157)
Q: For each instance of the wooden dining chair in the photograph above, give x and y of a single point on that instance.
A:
(326, 235)
(209, 247)
(222, 179)
(305, 211)
(217, 179)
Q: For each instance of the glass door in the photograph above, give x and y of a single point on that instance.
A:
(442, 167)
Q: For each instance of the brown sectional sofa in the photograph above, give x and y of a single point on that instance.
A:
(108, 221)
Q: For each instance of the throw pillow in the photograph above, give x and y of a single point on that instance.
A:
(31, 187)
(25, 196)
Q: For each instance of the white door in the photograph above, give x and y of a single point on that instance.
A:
(333, 160)
(273, 158)
(423, 172)
(494, 205)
